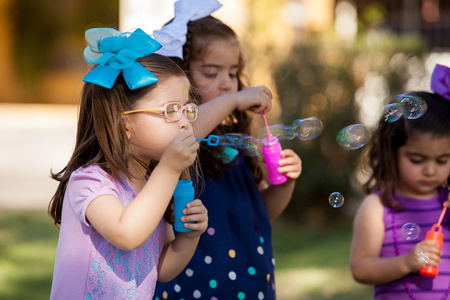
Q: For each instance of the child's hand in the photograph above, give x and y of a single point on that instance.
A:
(181, 152)
(257, 99)
(423, 253)
(195, 212)
(290, 164)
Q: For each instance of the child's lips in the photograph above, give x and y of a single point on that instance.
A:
(427, 182)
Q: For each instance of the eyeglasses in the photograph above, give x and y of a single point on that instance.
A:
(172, 111)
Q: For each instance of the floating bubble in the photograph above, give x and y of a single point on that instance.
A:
(392, 112)
(230, 140)
(414, 107)
(247, 143)
(336, 199)
(422, 256)
(251, 146)
(307, 129)
(353, 137)
(410, 231)
(280, 131)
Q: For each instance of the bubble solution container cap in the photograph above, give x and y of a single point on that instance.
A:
(183, 194)
(438, 238)
(271, 149)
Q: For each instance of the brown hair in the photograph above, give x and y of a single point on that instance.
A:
(381, 160)
(101, 137)
(200, 34)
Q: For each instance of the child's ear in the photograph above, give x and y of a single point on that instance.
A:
(128, 127)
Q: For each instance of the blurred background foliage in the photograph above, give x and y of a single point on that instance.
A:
(336, 60)
(321, 77)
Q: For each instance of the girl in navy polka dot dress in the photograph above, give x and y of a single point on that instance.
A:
(234, 258)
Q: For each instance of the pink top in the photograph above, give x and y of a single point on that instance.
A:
(87, 266)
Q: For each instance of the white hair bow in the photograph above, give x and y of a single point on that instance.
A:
(172, 37)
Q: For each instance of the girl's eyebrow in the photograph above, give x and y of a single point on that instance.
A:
(217, 66)
(423, 155)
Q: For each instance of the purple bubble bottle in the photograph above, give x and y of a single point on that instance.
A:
(271, 149)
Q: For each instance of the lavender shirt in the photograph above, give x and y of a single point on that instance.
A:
(423, 213)
(87, 266)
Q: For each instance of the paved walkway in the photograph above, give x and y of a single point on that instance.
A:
(33, 140)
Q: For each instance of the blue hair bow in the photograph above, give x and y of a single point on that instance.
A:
(115, 52)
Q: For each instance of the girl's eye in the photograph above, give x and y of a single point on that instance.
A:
(442, 162)
(210, 75)
(233, 76)
(415, 161)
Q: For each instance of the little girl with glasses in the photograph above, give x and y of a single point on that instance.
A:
(409, 167)
(234, 258)
(134, 142)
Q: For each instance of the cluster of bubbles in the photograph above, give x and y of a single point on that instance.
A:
(303, 129)
(349, 138)
(405, 105)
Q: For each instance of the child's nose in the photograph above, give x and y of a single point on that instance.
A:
(183, 122)
(430, 169)
(225, 83)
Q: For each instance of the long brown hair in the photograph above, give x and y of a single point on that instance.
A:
(200, 34)
(101, 137)
(381, 158)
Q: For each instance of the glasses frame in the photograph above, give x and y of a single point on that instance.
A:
(163, 109)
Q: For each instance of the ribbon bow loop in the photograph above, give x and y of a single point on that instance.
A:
(440, 81)
(115, 52)
(173, 35)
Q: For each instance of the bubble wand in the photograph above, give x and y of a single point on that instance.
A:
(438, 238)
(269, 135)
(271, 149)
(212, 140)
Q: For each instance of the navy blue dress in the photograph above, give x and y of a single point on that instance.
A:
(234, 258)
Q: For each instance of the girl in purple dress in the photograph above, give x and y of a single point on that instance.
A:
(409, 163)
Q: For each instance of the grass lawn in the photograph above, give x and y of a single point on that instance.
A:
(310, 264)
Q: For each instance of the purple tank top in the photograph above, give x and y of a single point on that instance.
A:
(423, 213)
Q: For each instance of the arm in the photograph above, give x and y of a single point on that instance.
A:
(129, 227)
(213, 112)
(179, 250)
(277, 197)
(368, 233)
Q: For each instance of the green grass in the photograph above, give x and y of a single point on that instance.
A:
(27, 254)
(310, 264)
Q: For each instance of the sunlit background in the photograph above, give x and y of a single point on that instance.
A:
(338, 60)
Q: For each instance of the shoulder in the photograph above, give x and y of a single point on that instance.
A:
(91, 181)
(371, 208)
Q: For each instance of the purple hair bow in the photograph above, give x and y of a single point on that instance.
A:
(440, 81)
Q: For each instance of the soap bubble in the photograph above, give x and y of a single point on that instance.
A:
(307, 129)
(353, 137)
(413, 107)
(336, 199)
(251, 146)
(393, 112)
(280, 131)
(304, 129)
(410, 231)
(248, 144)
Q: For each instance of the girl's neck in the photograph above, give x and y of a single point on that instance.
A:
(138, 172)
(408, 194)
